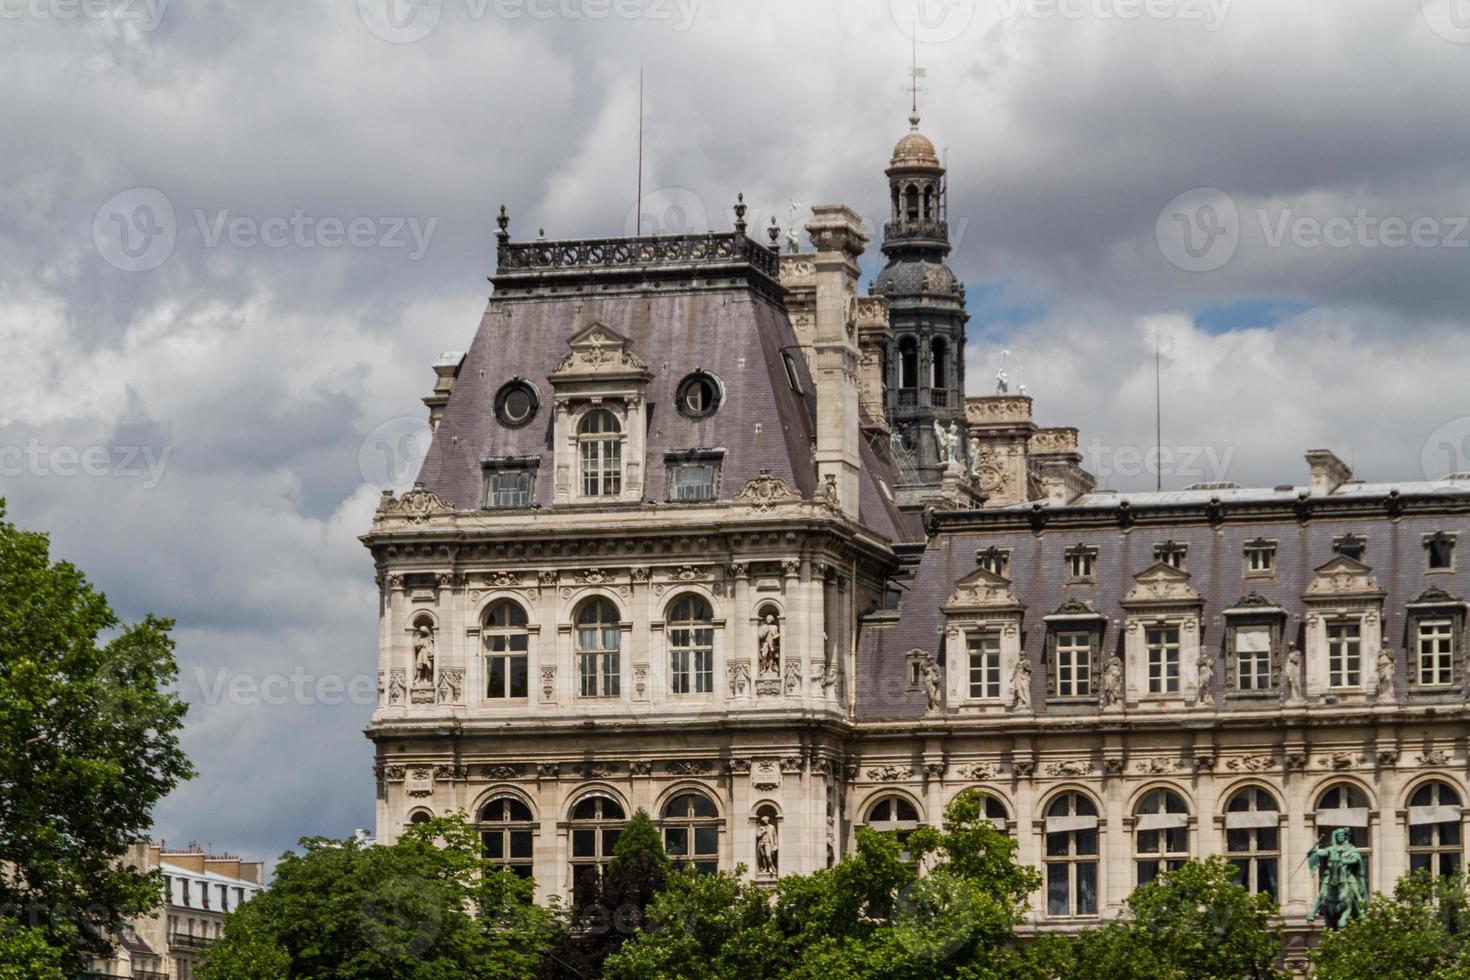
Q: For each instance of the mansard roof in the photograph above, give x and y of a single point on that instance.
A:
(683, 310)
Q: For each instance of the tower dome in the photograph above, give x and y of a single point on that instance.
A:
(914, 149)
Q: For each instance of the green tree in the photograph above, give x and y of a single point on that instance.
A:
(427, 907)
(869, 916)
(25, 955)
(1422, 932)
(637, 873)
(1194, 922)
(88, 746)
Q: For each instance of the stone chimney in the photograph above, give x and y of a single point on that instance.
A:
(874, 333)
(1328, 472)
(837, 233)
(446, 369)
(1000, 429)
(1057, 464)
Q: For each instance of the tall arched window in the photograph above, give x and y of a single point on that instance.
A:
(939, 352)
(506, 645)
(896, 815)
(1071, 856)
(600, 443)
(507, 832)
(1253, 840)
(911, 203)
(596, 823)
(1435, 835)
(691, 646)
(692, 831)
(908, 363)
(1345, 805)
(1160, 833)
(928, 203)
(599, 646)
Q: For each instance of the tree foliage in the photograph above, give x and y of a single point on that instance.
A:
(428, 907)
(88, 746)
(1422, 932)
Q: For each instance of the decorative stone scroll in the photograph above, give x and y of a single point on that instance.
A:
(417, 506)
(766, 492)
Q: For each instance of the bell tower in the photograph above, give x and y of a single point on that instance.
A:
(925, 373)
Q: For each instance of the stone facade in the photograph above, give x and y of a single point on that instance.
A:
(662, 556)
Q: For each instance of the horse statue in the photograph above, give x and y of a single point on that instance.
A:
(1341, 897)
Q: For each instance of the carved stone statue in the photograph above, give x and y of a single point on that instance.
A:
(1021, 685)
(1385, 674)
(767, 847)
(947, 441)
(423, 655)
(1291, 676)
(1113, 681)
(396, 688)
(1341, 894)
(933, 684)
(769, 636)
(1206, 678)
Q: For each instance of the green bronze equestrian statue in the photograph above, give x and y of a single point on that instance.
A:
(1342, 896)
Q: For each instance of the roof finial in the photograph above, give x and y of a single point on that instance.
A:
(774, 234)
(502, 221)
(740, 213)
(915, 73)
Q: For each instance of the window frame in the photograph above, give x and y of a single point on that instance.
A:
(697, 378)
(509, 633)
(1259, 546)
(508, 830)
(1150, 862)
(1173, 553)
(692, 649)
(1432, 852)
(1073, 616)
(1248, 859)
(502, 395)
(675, 461)
(606, 662)
(901, 828)
(1432, 605)
(605, 832)
(992, 665)
(493, 466)
(1163, 689)
(1081, 564)
(1339, 623)
(996, 561)
(1446, 539)
(1361, 835)
(705, 862)
(1251, 613)
(605, 452)
(1072, 858)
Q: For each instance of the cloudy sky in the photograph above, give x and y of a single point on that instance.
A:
(234, 236)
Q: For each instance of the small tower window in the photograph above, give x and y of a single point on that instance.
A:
(908, 363)
(516, 404)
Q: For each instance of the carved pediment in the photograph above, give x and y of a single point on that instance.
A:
(598, 350)
(983, 589)
(1161, 584)
(1342, 576)
(1435, 596)
(1073, 607)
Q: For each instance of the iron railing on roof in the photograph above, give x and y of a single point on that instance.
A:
(669, 251)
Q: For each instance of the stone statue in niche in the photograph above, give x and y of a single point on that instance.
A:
(1385, 674)
(423, 655)
(769, 637)
(1206, 679)
(767, 847)
(1291, 676)
(933, 683)
(1113, 682)
(1021, 685)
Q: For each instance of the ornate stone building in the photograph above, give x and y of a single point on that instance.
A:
(659, 558)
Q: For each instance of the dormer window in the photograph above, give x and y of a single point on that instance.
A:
(693, 476)
(510, 482)
(600, 449)
(1350, 546)
(1173, 554)
(996, 561)
(1439, 552)
(699, 395)
(1260, 558)
(1081, 564)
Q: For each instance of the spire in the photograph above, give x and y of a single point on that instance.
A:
(915, 73)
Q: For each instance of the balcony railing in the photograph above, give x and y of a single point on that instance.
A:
(929, 230)
(908, 397)
(939, 397)
(187, 940)
(648, 253)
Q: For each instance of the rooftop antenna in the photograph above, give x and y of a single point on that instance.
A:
(1158, 419)
(638, 205)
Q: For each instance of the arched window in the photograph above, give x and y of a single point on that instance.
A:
(692, 831)
(896, 815)
(600, 442)
(1253, 840)
(507, 832)
(1071, 856)
(911, 203)
(506, 645)
(596, 823)
(995, 811)
(928, 203)
(1345, 805)
(691, 646)
(599, 645)
(940, 364)
(1161, 834)
(1435, 835)
(908, 363)
(418, 817)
